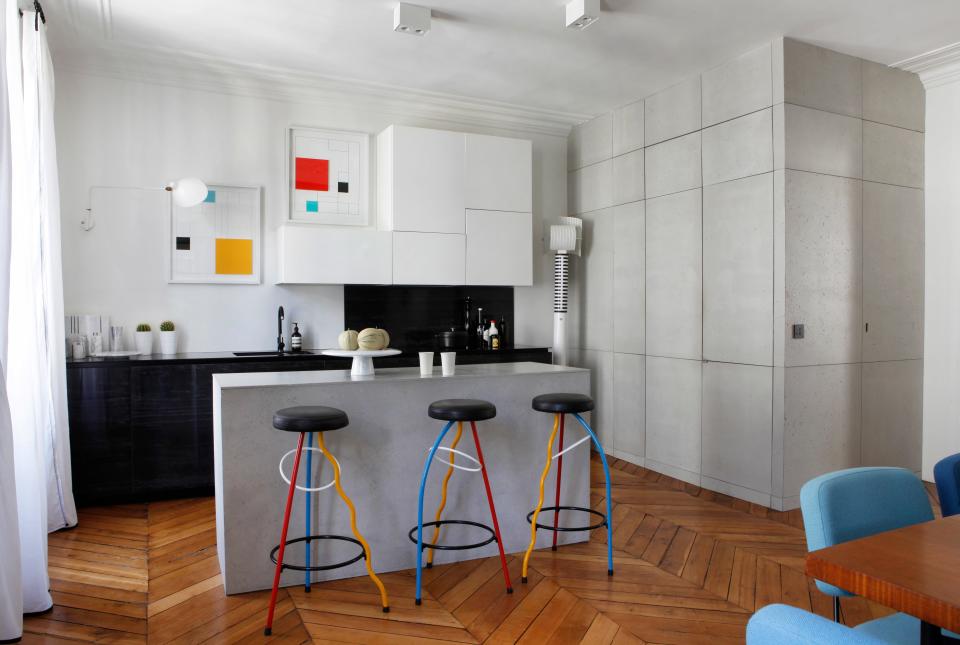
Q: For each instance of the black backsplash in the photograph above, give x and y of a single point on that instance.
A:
(415, 315)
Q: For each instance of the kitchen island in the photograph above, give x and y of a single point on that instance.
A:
(382, 454)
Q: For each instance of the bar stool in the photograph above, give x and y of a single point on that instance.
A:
(307, 420)
(456, 411)
(561, 404)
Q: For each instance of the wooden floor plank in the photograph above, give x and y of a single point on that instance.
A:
(549, 619)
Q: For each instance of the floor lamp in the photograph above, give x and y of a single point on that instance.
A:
(565, 240)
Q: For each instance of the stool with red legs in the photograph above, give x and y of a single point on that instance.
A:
(307, 420)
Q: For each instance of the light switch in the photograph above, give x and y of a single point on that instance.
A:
(798, 331)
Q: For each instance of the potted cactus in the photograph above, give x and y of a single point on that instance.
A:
(144, 339)
(168, 338)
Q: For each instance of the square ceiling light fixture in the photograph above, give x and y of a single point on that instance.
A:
(582, 13)
(411, 19)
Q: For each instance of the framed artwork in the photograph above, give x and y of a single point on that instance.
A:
(327, 175)
(218, 240)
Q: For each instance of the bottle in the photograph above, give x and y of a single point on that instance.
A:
(480, 328)
(504, 332)
(494, 334)
(466, 320)
(296, 340)
(486, 337)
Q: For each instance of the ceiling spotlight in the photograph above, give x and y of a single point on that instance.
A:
(582, 13)
(411, 19)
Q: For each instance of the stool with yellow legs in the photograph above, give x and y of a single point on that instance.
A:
(307, 421)
(561, 404)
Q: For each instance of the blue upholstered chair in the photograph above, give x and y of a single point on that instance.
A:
(850, 504)
(947, 475)
(783, 625)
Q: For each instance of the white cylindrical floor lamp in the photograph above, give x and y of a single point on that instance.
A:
(565, 240)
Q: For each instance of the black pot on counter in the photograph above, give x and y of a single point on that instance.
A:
(451, 339)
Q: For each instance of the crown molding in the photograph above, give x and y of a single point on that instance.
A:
(176, 69)
(938, 67)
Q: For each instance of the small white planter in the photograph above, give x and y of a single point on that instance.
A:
(144, 342)
(168, 342)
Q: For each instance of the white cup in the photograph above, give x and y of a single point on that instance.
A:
(426, 363)
(448, 363)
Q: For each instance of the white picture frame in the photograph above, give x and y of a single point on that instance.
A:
(208, 243)
(350, 163)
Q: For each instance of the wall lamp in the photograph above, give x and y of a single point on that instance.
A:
(185, 193)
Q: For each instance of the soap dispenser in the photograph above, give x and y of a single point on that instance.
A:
(296, 339)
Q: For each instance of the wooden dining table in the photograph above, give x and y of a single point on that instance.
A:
(914, 570)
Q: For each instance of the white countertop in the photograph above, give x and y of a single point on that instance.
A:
(323, 377)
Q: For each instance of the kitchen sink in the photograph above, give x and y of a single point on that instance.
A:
(273, 353)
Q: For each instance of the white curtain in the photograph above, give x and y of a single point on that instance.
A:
(11, 598)
(32, 340)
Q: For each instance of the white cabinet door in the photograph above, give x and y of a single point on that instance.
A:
(499, 173)
(499, 248)
(892, 273)
(334, 255)
(738, 271)
(421, 180)
(428, 258)
(736, 442)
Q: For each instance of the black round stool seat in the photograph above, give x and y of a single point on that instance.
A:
(310, 418)
(563, 403)
(462, 410)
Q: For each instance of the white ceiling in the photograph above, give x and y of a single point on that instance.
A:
(512, 51)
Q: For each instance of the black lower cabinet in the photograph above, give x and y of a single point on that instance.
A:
(172, 452)
(101, 444)
(143, 430)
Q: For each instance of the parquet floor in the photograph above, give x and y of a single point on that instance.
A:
(691, 567)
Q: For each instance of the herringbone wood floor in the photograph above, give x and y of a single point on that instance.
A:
(691, 566)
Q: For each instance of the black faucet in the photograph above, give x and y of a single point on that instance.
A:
(280, 330)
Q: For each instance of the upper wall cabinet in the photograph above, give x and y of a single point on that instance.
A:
(499, 174)
(459, 206)
(334, 255)
(420, 180)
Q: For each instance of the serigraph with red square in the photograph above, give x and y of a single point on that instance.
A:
(328, 176)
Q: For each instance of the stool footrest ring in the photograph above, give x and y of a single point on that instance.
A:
(602, 523)
(442, 547)
(318, 567)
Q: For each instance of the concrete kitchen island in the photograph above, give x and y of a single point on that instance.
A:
(382, 453)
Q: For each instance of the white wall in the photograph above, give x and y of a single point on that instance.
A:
(941, 351)
(113, 132)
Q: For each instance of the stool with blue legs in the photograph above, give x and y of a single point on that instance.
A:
(307, 420)
(560, 405)
(456, 411)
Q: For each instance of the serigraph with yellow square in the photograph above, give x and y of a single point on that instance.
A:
(218, 240)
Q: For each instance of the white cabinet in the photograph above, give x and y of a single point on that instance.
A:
(499, 248)
(428, 258)
(499, 173)
(453, 209)
(420, 180)
(311, 254)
